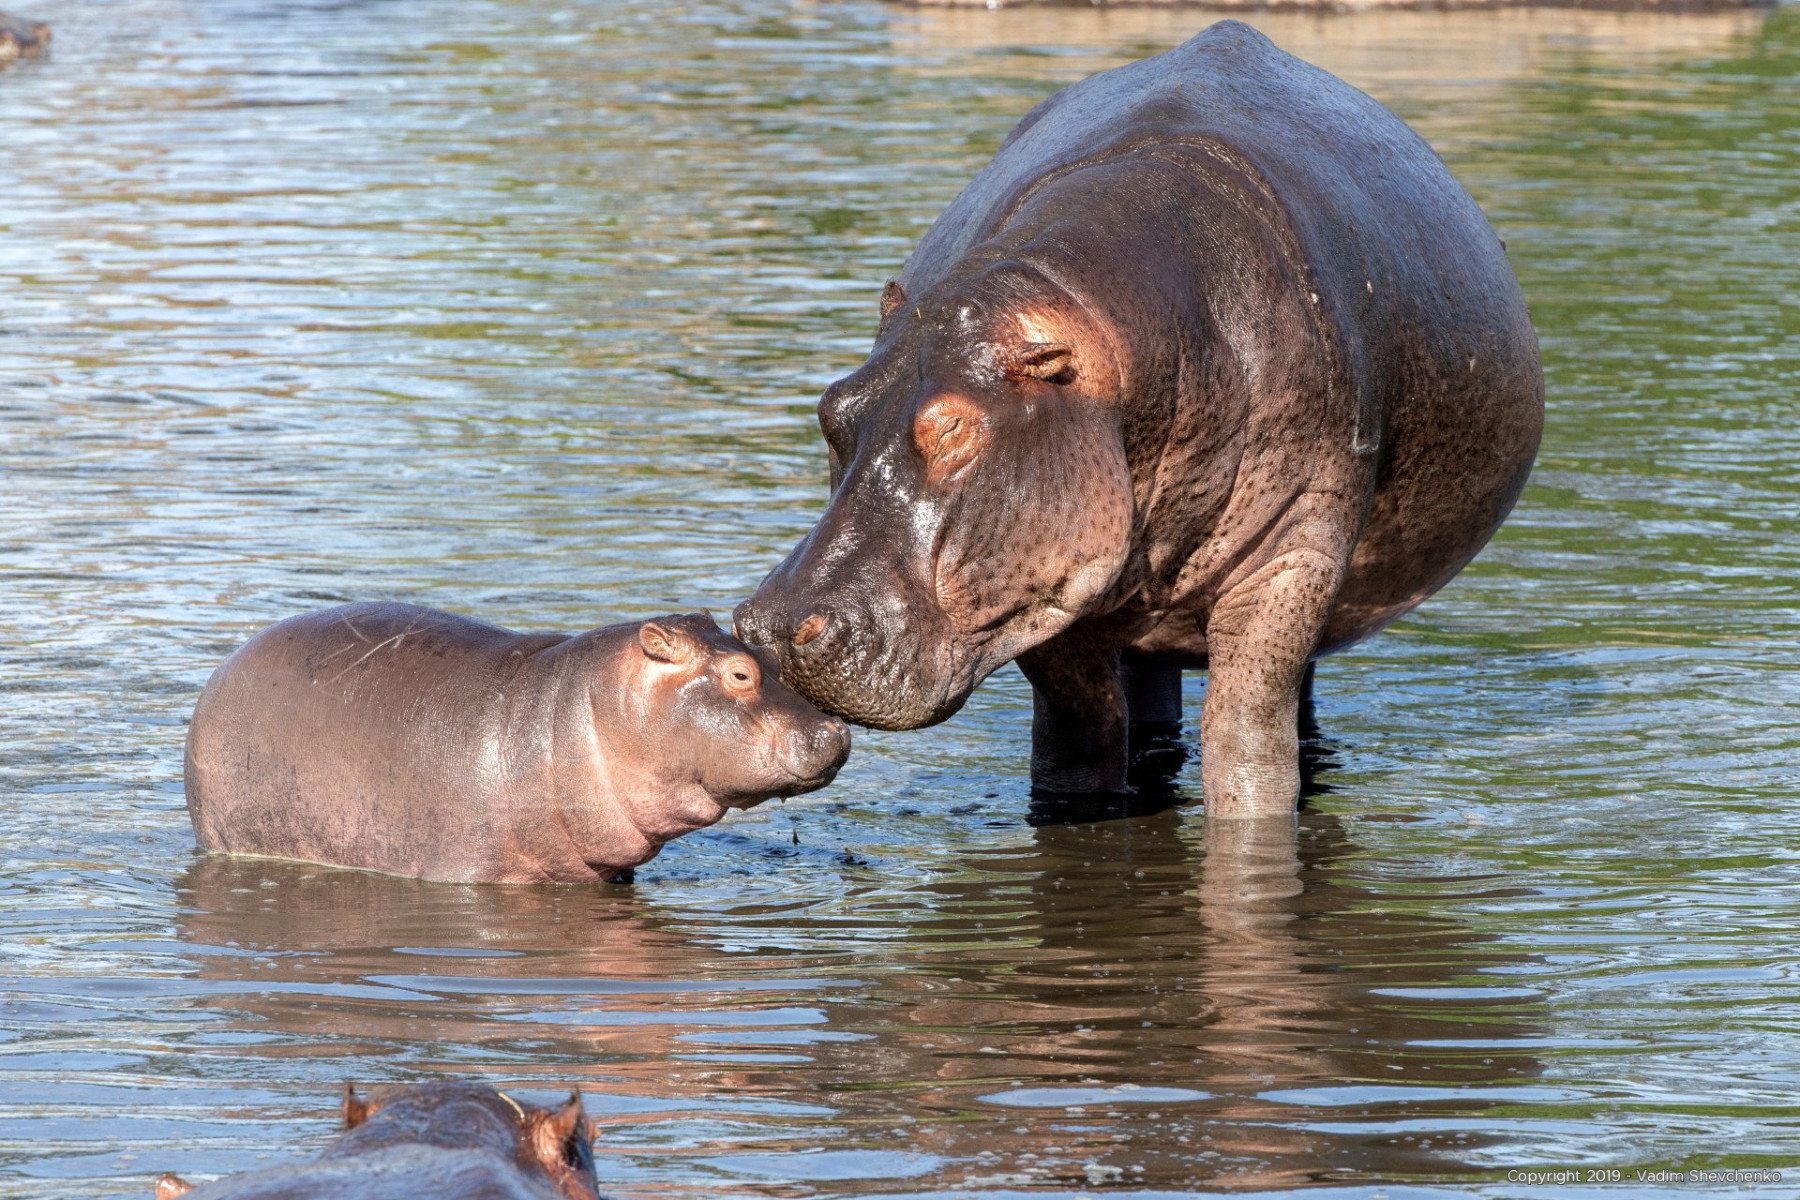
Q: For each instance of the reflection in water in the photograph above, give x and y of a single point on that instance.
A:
(1073, 1010)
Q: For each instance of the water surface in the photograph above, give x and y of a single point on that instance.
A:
(520, 309)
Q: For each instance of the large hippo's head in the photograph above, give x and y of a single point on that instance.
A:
(981, 500)
(712, 721)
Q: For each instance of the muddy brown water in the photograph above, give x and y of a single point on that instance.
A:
(520, 309)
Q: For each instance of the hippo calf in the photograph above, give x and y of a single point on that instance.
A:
(448, 1141)
(1213, 366)
(402, 739)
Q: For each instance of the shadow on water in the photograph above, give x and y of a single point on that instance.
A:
(1125, 1001)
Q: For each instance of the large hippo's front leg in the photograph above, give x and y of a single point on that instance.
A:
(1078, 718)
(1260, 637)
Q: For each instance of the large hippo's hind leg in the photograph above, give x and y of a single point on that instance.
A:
(1084, 764)
(1078, 725)
(1260, 639)
(1308, 727)
(1153, 733)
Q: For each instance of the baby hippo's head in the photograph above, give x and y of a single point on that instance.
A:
(716, 714)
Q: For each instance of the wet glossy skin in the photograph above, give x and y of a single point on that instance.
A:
(448, 1141)
(416, 742)
(1215, 366)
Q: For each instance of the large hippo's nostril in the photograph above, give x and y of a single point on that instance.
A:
(749, 625)
(809, 629)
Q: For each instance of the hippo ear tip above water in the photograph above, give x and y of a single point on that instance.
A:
(555, 1134)
(168, 1187)
(356, 1109)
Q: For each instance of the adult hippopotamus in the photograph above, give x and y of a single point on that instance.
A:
(416, 742)
(1214, 365)
(448, 1141)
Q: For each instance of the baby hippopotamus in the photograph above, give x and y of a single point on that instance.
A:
(402, 739)
(448, 1141)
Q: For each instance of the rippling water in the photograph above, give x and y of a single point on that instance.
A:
(520, 309)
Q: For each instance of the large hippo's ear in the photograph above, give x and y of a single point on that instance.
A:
(356, 1109)
(1050, 361)
(666, 643)
(170, 1186)
(892, 297)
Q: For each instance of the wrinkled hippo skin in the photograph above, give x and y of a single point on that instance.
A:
(416, 742)
(1214, 366)
(19, 36)
(448, 1141)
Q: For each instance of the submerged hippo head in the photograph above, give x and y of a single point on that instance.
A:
(448, 1140)
(711, 718)
(981, 500)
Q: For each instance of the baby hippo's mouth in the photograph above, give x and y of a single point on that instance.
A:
(813, 755)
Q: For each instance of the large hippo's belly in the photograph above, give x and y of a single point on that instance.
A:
(1433, 343)
(1454, 461)
(1457, 459)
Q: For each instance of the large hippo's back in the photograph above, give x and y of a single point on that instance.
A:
(1341, 166)
(1434, 349)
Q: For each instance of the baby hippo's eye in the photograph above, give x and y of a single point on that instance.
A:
(740, 674)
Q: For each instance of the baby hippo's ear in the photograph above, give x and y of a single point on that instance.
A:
(170, 1186)
(667, 643)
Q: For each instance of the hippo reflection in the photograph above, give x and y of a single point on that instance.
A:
(448, 1141)
(1188, 989)
(1154, 1003)
(1213, 366)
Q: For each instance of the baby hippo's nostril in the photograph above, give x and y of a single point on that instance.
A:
(809, 629)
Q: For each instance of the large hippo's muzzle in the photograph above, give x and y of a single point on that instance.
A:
(864, 654)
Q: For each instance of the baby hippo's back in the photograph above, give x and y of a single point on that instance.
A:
(385, 736)
(417, 742)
